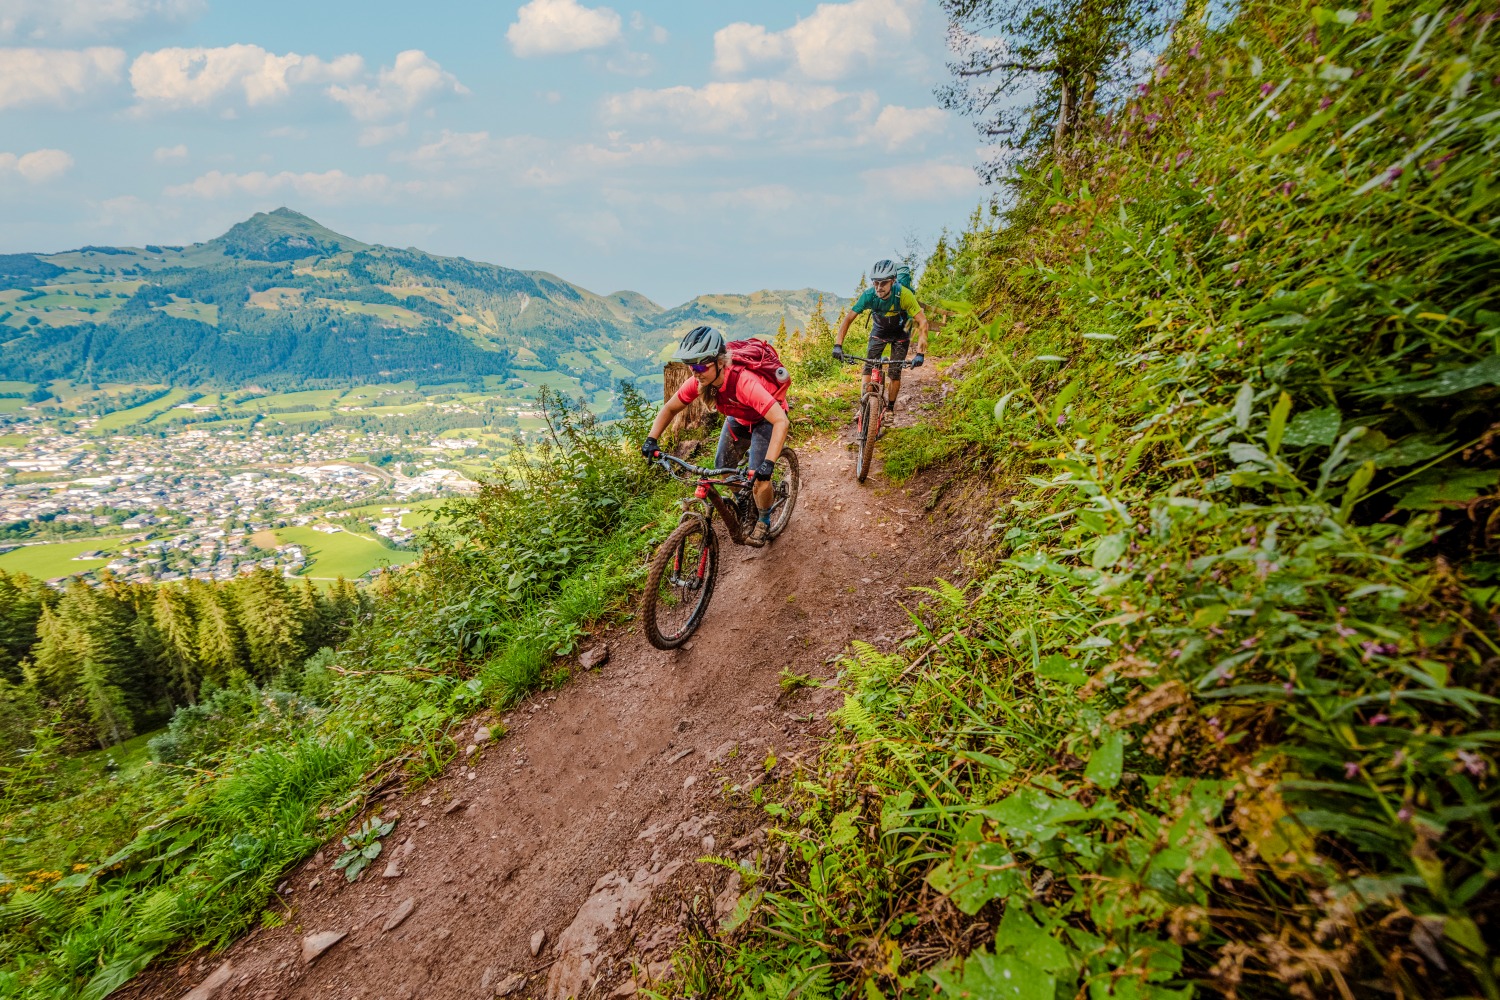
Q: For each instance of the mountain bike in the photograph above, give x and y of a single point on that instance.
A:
(681, 580)
(870, 412)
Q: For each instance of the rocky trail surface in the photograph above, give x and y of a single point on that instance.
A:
(560, 860)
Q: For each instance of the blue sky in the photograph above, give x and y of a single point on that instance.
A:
(670, 148)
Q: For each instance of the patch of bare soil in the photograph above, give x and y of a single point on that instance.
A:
(557, 861)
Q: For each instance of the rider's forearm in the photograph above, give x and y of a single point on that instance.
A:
(921, 333)
(664, 416)
(779, 430)
(843, 331)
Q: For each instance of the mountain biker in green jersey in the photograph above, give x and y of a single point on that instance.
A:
(893, 307)
(754, 419)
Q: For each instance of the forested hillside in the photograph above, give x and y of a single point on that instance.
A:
(1216, 713)
(280, 300)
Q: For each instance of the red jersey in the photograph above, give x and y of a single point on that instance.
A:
(743, 395)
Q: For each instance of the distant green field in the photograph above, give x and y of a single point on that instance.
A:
(13, 440)
(53, 559)
(311, 399)
(11, 405)
(343, 554)
(140, 414)
(8, 386)
(203, 312)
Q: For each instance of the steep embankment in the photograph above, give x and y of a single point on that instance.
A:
(587, 818)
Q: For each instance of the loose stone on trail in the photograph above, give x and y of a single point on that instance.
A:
(537, 940)
(401, 912)
(314, 945)
(210, 987)
(596, 657)
(392, 870)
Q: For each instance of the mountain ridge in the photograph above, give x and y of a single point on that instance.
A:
(280, 298)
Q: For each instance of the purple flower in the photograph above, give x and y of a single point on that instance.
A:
(1248, 643)
(1325, 104)
(1351, 768)
(1142, 89)
(1345, 630)
(1390, 177)
(1343, 610)
(1153, 117)
(1194, 51)
(1183, 156)
(1214, 95)
(1473, 763)
(1364, 15)
(1405, 814)
(1062, 418)
(1379, 718)
(1266, 88)
(1288, 688)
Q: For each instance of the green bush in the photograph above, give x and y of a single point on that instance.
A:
(1220, 708)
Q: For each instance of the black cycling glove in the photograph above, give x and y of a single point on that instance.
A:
(916, 362)
(838, 352)
(765, 469)
(649, 449)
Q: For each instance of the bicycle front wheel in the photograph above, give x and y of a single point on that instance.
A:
(680, 584)
(785, 483)
(869, 430)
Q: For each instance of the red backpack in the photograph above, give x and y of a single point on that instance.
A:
(761, 358)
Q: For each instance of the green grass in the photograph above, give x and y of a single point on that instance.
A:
(11, 405)
(9, 385)
(14, 440)
(343, 554)
(203, 312)
(139, 414)
(53, 559)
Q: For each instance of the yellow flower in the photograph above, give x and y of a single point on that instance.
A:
(80, 868)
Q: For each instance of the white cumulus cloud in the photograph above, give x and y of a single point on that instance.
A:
(413, 80)
(929, 181)
(55, 77)
(67, 20)
(329, 186)
(36, 166)
(750, 107)
(897, 126)
(170, 154)
(550, 27)
(201, 77)
(833, 41)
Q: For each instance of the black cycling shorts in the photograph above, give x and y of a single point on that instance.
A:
(898, 353)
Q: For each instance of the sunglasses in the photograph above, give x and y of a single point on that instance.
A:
(700, 369)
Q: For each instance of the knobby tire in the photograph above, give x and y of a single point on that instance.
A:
(787, 481)
(691, 538)
(869, 427)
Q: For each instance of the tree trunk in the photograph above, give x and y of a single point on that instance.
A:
(1064, 117)
(697, 413)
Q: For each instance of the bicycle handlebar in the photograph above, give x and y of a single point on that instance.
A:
(667, 461)
(850, 359)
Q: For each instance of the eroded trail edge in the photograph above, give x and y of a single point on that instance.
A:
(557, 861)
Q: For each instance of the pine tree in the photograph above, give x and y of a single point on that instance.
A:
(220, 642)
(22, 599)
(269, 614)
(172, 615)
(780, 342)
(107, 707)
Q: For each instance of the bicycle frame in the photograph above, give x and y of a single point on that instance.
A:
(709, 483)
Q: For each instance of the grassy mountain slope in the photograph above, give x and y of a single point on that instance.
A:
(1216, 712)
(280, 299)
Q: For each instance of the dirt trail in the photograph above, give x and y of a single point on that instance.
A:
(585, 821)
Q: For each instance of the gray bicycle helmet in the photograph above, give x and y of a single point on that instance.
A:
(883, 270)
(700, 344)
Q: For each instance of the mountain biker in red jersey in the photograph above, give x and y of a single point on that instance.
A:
(893, 306)
(753, 418)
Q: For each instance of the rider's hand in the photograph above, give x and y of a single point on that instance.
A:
(765, 470)
(838, 352)
(916, 362)
(649, 450)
